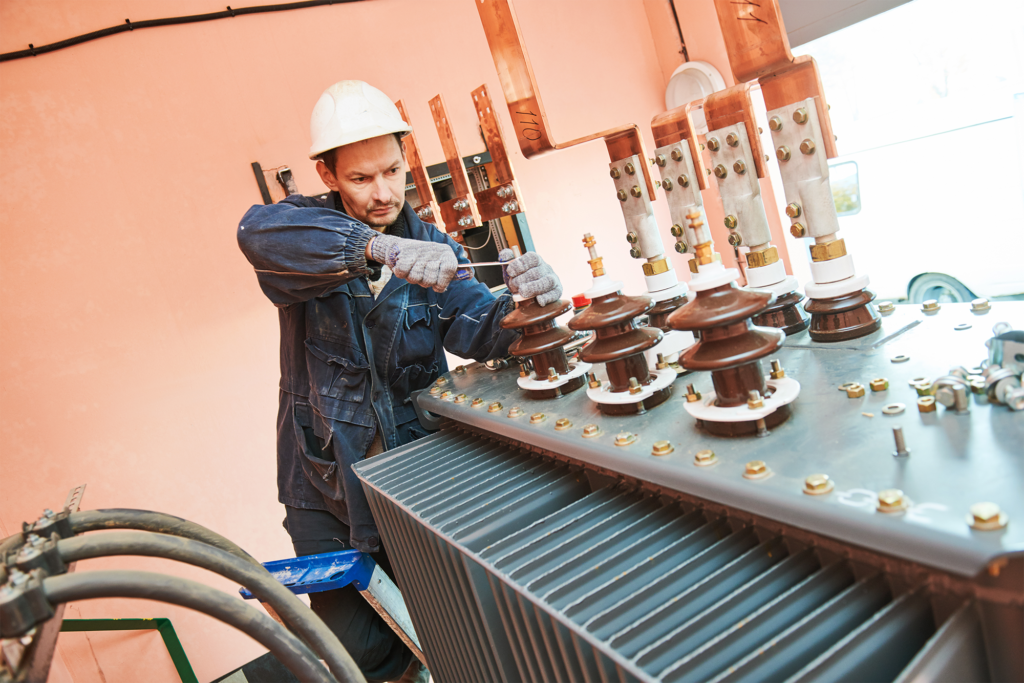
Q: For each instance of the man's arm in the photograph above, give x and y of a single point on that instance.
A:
(301, 250)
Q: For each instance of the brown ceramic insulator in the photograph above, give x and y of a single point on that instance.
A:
(784, 313)
(542, 339)
(843, 317)
(618, 342)
(729, 346)
(658, 316)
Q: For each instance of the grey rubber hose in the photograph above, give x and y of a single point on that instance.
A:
(177, 591)
(264, 586)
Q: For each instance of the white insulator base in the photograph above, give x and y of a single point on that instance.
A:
(711, 276)
(532, 383)
(602, 285)
(834, 289)
(766, 276)
(823, 272)
(671, 345)
(788, 285)
(679, 289)
(661, 281)
(785, 391)
(604, 393)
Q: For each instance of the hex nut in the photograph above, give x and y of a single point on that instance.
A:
(590, 431)
(987, 517)
(562, 423)
(855, 391)
(636, 192)
(461, 398)
(441, 381)
(800, 115)
(446, 394)
(775, 123)
(721, 172)
(704, 458)
(755, 402)
(434, 391)
(879, 384)
(676, 230)
(798, 230)
(537, 418)
(980, 306)
(614, 173)
(793, 210)
(818, 485)
(660, 160)
(828, 251)
(756, 469)
(516, 411)
(630, 169)
(693, 398)
(683, 181)
(635, 253)
(782, 153)
(739, 167)
(625, 439)
(732, 139)
(477, 402)
(662, 448)
(807, 147)
(886, 307)
(894, 409)
(735, 240)
(680, 247)
(846, 385)
(632, 237)
(713, 144)
(677, 155)
(667, 184)
(495, 407)
(621, 194)
(891, 500)
(925, 388)
(926, 404)
(931, 306)
(731, 222)
(977, 385)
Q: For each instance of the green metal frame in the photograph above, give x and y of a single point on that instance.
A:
(164, 626)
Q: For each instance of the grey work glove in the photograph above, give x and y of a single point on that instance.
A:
(529, 277)
(427, 264)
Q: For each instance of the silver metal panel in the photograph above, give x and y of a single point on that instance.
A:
(955, 653)
(956, 460)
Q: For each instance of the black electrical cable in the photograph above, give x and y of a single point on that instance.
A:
(129, 25)
(177, 591)
(264, 586)
(147, 520)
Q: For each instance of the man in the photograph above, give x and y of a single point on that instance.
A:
(367, 296)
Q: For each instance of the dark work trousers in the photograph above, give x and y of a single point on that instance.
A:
(380, 654)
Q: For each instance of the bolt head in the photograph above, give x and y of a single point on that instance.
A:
(739, 167)
(879, 384)
(591, 430)
(537, 418)
(891, 500)
(775, 123)
(660, 160)
(732, 139)
(755, 469)
(477, 402)
(635, 253)
(676, 230)
(495, 407)
(807, 147)
(631, 237)
(986, 516)
(630, 169)
(817, 484)
(621, 194)
(930, 306)
(735, 240)
(731, 222)
(793, 210)
(855, 390)
(704, 458)
(720, 172)
(677, 155)
(800, 115)
(980, 305)
(625, 439)
(562, 424)
(681, 247)
(667, 184)
(662, 448)
(516, 411)
(446, 394)
(782, 153)
(636, 191)
(614, 173)
(886, 307)
(797, 230)
(713, 144)
(683, 181)
(778, 374)
(461, 398)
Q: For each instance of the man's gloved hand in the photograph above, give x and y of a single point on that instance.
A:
(428, 264)
(529, 277)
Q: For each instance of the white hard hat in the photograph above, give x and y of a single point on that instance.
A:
(350, 111)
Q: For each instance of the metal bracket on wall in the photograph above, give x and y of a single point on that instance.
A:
(427, 209)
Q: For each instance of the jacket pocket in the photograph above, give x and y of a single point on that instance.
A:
(322, 473)
(333, 375)
(417, 343)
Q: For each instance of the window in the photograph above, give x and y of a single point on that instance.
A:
(845, 188)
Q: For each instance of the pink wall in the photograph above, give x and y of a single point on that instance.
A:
(138, 354)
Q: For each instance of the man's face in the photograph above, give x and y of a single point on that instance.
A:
(370, 177)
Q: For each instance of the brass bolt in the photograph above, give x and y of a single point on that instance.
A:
(856, 390)
(667, 184)
(614, 173)
(797, 230)
(732, 139)
(636, 191)
(461, 398)
(677, 155)
(590, 431)
(978, 385)
(731, 222)
(704, 458)
(662, 448)
(625, 439)
(800, 115)
(987, 517)
(720, 172)
(523, 372)
(886, 307)
(537, 418)
(676, 230)
(516, 411)
(713, 144)
(477, 402)
(661, 364)
(692, 395)
(552, 375)
(660, 160)
(818, 484)
(930, 306)
(631, 237)
(775, 123)
(777, 371)
(635, 253)
(739, 167)
(621, 194)
(793, 210)
(681, 247)
(782, 153)
(562, 423)
(683, 181)
(980, 306)
(926, 404)
(460, 369)
(630, 169)
(634, 386)
(891, 500)
(441, 381)
(735, 240)
(755, 401)
(807, 147)
(755, 469)
(593, 381)
(879, 384)
(494, 407)
(446, 394)
(434, 391)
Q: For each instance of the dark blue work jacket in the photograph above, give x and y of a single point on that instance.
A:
(349, 362)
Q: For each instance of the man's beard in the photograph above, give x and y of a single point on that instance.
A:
(375, 222)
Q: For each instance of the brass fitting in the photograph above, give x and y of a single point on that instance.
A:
(590, 431)
(692, 264)
(891, 500)
(797, 230)
(562, 423)
(657, 267)
(477, 402)
(537, 418)
(765, 257)
(704, 458)
(625, 439)
(818, 484)
(777, 371)
(880, 384)
(516, 411)
(731, 222)
(793, 210)
(756, 469)
(828, 250)
(494, 407)
(855, 390)
(705, 254)
(662, 448)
